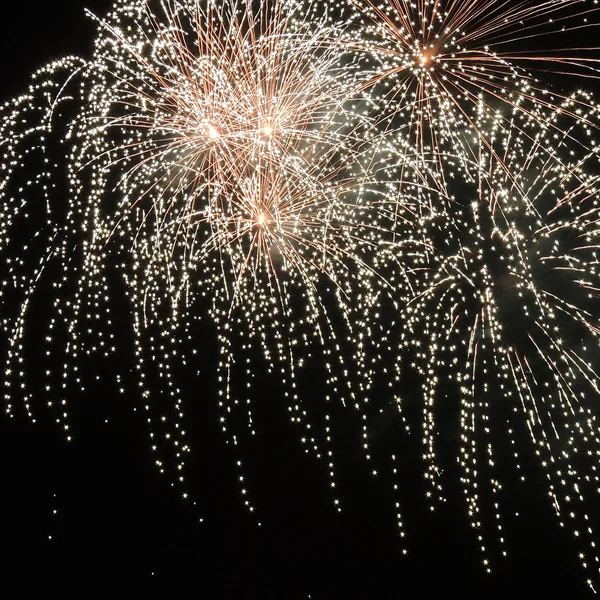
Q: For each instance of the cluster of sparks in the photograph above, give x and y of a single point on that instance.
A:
(388, 186)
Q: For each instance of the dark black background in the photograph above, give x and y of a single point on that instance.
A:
(119, 525)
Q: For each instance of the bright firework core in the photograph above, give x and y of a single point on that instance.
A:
(212, 132)
(425, 58)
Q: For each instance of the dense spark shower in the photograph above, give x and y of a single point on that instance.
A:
(219, 167)
(509, 303)
(385, 189)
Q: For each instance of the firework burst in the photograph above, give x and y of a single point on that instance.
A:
(441, 63)
(502, 297)
(219, 167)
(393, 190)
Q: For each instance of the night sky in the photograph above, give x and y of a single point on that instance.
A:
(96, 514)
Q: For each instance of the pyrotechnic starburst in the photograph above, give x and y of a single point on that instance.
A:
(394, 188)
(439, 63)
(217, 167)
